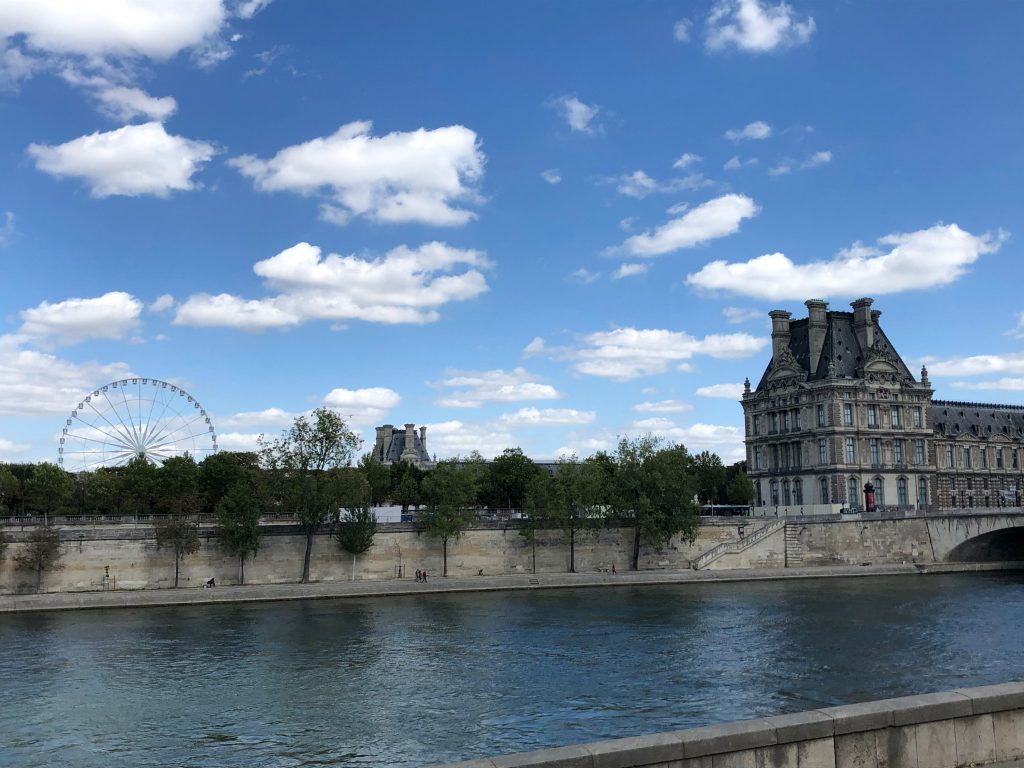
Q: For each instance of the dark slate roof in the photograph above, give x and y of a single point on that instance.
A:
(952, 418)
(393, 447)
(841, 348)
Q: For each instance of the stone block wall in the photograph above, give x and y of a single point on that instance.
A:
(853, 542)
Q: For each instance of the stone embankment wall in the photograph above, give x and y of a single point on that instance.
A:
(966, 727)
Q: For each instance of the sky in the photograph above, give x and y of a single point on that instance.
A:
(536, 224)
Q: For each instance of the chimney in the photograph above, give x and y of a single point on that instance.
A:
(423, 439)
(863, 324)
(817, 327)
(780, 331)
(378, 445)
(410, 437)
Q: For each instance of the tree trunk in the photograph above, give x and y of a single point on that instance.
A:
(177, 559)
(305, 558)
(534, 542)
(572, 550)
(636, 548)
(353, 568)
(39, 580)
(444, 550)
(241, 569)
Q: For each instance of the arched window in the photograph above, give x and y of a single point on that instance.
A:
(757, 488)
(901, 491)
(786, 494)
(798, 491)
(879, 492)
(774, 485)
(922, 493)
(852, 493)
(824, 490)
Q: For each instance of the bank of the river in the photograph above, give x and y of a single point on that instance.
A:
(55, 601)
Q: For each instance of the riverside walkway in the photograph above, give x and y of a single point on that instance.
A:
(437, 585)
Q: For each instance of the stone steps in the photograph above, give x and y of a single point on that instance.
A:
(794, 547)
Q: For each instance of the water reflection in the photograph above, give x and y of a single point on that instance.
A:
(403, 681)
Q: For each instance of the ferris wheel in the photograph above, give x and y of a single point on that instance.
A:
(135, 417)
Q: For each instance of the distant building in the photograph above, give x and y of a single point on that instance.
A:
(406, 445)
(837, 421)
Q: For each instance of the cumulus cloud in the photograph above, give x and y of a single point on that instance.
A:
(161, 304)
(113, 315)
(681, 30)
(548, 417)
(133, 160)
(415, 176)
(903, 262)
(38, 383)
(551, 176)
(663, 406)
(755, 26)
(737, 315)
(120, 101)
(977, 365)
(268, 417)
(757, 131)
(249, 8)
(535, 347)
(578, 115)
(239, 441)
(449, 439)
(716, 218)
(365, 406)
(686, 160)
(726, 441)
(628, 353)
(584, 276)
(1004, 384)
(10, 449)
(727, 391)
(629, 270)
(639, 185)
(788, 165)
(471, 389)
(1017, 331)
(406, 285)
(734, 163)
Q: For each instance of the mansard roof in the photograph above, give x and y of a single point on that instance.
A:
(841, 353)
(953, 418)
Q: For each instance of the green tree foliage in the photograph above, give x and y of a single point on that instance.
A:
(221, 472)
(49, 488)
(652, 490)
(11, 494)
(238, 523)
(407, 492)
(379, 478)
(739, 490)
(581, 490)
(4, 541)
(177, 484)
(449, 493)
(507, 479)
(709, 476)
(104, 490)
(357, 526)
(300, 464)
(141, 486)
(179, 534)
(40, 553)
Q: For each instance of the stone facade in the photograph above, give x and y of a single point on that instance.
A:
(408, 445)
(838, 422)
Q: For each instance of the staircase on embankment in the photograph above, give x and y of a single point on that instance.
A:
(794, 547)
(735, 547)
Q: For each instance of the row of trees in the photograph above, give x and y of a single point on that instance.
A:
(307, 472)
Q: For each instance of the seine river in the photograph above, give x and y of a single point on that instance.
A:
(406, 681)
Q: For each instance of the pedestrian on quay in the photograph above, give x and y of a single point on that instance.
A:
(418, 578)
(424, 575)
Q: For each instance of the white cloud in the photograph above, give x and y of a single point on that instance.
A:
(1017, 331)
(726, 441)
(629, 270)
(6, 227)
(686, 159)
(734, 163)
(268, 417)
(627, 224)
(639, 185)
(914, 261)
(977, 365)
(133, 160)
(111, 316)
(548, 417)
(471, 389)
(535, 347)
(788, 164)
(627, 353)
(737, 315)
(249, 8)
(415, 176)
(727, 391)
(34, 382)
(406, 285)
(716, 218)
(120, 101)
(681, 30)
(239, 441)
(754, 26)
(578, 115)
(551, 176)
(1005, 384)
(9, 449)
(448, 439)
(817, 159)
(363, 407)
(161, 304)
(663, 406)
(584, 276)
(757, 131)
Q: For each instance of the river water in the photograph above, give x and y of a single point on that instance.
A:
(411, 680)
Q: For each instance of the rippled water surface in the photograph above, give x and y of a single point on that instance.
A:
(405, 681)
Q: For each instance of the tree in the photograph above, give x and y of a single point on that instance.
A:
(238, 523)
(449, 493)
(177, 482)
(141, 485)
(222, 471)
(300, 462)
(540, 500)
(740, 490)
(708, 474)
(179, 534)
(49, 488)
(11, 494)
(378, 476)
(40, 553)
(652, 490)
(104, 489)
(407, 492)
(358, 524)
(507, 479)
(580, 489)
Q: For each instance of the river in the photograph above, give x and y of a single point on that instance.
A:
(411, 680)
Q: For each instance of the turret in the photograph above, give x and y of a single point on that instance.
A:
(864, 322)
(817, 329)
(780, 331)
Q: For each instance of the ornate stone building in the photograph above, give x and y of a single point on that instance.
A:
(409, 445)
(838, 422)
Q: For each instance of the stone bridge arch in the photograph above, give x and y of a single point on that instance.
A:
(973, 537)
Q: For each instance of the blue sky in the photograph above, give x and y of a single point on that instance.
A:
(519, 223)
